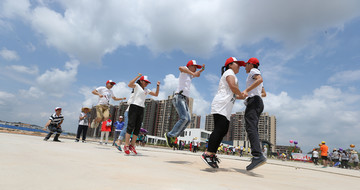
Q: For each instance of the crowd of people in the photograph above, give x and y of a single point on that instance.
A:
(221, 108)
(339, 158)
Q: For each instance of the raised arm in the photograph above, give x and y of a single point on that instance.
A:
(132, 82)
(157, 90)
(95, 92)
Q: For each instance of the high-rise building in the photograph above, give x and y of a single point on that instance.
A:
(237, 131)
(150, 115)
(195, 121)
(166, 116)
(209, 123)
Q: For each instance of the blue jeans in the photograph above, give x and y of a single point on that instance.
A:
(123, 132)
(179, 102)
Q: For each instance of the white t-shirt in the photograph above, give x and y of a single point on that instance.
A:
(315, 154)
(139, 95)
(224, 99)
(250, 80)
(84, 121)
(107, 95)
(184, 83)
(130, 101)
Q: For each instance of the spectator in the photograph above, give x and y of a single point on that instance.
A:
(84, 123)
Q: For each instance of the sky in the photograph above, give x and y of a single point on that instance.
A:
(55, 52)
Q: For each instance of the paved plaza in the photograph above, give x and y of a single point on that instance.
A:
(29, 163)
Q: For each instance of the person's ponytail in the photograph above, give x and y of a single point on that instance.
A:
(138, 82)
(224, 68)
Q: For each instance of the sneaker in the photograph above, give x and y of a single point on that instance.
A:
(210, 160)
(76, 140)
(126, 150)
(100, 143)
(45, 139)
(83, 141)
(56, 140)
(132, 149)
(118, 147)
(169, 141)
(256, 162)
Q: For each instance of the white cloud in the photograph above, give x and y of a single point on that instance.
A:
(345, 77)
(85, 30)
(6, 97)
(323, 115)
(56, 82)
(33, 70)
(9, 55)
(12, 9)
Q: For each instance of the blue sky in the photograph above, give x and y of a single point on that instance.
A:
(54, 53)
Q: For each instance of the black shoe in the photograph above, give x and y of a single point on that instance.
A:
(169, 142)
(56, 140)
(76, 140)
(210, 160)
(45, 139)
(256, 162)
(83, 141)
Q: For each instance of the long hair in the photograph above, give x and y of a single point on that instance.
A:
(225, 68)
(138, 82)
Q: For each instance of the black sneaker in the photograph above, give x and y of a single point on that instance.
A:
(56, 140)
(169, 142)
(256, 162)
(76, 140)
(210, 160)
(45, 139)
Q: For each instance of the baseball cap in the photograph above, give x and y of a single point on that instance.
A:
(110, 81)
(145, 78)
(253, 61)
(121, 116)
(233, 59)
(193, 62)
(57, 108)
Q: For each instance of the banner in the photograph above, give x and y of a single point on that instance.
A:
(301, 157)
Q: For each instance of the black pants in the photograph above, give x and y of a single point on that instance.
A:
(136, 114)
(254, 108)
(54, 129)
(221, 127)
(82, 129)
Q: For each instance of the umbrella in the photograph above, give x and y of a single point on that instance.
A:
(142, 130)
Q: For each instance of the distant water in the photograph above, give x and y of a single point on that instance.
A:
(24, 128)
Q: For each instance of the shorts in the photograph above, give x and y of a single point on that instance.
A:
(102, 111)
(324, 157)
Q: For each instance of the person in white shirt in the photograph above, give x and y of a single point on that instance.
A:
(136, 110)
(179, 101)
(315, 156)
(84, 123)
(221, 107)
(254, 108)
(103, 109)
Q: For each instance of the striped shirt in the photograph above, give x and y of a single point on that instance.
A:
(55, 119)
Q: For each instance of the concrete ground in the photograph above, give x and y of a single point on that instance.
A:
(28, 162)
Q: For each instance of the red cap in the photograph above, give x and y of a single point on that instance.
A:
(254, 61)
(193, 62)
(57, 108)
(110, 81)
(145, 78)
(233, 59)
